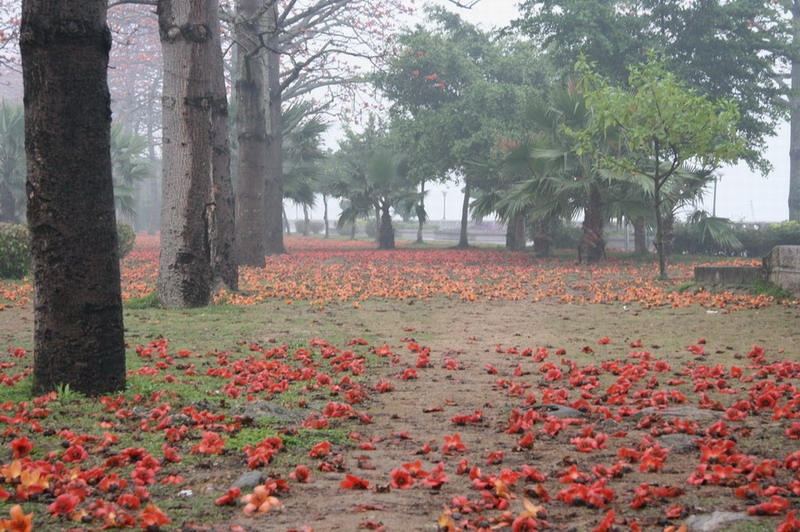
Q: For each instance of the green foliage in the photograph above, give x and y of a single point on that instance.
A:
(126, 239)
(148, 301)
(766, 288)
(130, 166)
(756, 241)
(12, 162)
(15, 251)
(316, 227)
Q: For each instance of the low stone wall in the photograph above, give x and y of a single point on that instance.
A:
(783, 265)
(728, 275)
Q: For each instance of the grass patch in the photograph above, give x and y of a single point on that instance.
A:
(766, 288)
(138, 303)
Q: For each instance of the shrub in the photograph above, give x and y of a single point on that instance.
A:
(126, 239)
(757, 241)
(316, 227)
(15, 250)
(369, 227)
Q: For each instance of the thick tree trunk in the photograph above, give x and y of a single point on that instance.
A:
(639, 235)
(78, 329)
(185, 272)
(385, 230)
(515, 233)
(463, 239)
(794, 125)
(252, 136)
(221, 210)
(273, 192)
(153, 195)
(542, 237)
(592, 245)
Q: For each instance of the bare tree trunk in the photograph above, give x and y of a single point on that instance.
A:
(794, 124)
(8, 205)
(420, 210)
(592, 246)
(273, 192)
(385, 229)
(515, 233)
(639, 235)
(252, 136)
(306, 220)
(325, 216)
(463, 239)
(185, 271)
(543, 237)
(154, 198)
(78, 328)
(221, 210)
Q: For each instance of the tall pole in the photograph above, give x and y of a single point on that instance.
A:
(444, 205)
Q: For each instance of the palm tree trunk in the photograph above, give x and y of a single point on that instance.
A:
(515, 233)
(639, 235)
(325, 215)
(8, 205)
(385, 231)
(543, 237)
(463, 239)
(306, 220)
(593, 246)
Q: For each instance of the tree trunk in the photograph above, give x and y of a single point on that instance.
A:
(515, 233)
(592, 245)
(463, 239)
(221, 210)
(153, 195)
(306, 220)
(185, 272)
(286, 225)
(385, 230)
(78, 328)
(662, 261)
(8, 205)
(420, 210)
(794, 124)
(542, 237)
(325, 216)
(251, 124)
(273, 192)
(639, 235)
(668, 232)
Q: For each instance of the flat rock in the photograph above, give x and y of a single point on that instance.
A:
(679, 443)
(715, 521)
(683, 412)
(261, 409)
(559, 411)
(250, 479)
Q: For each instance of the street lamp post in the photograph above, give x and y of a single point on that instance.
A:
(444, 205)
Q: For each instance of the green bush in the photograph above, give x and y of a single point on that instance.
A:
(316, 227)
(126, 239)
(15, 251)
(757, 241)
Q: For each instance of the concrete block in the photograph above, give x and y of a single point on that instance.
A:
(728, 275)
(783, 267)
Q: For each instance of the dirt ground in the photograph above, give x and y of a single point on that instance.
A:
(418, 412)
(421, 409)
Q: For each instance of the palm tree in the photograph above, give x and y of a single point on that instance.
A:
(12, 162)
(301, 156)
(130, 166)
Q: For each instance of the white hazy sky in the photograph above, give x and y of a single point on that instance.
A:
(741, 194)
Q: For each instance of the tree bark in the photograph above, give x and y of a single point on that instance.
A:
(78, 328)
(8, 205)
(325, 216)
(306, 220)
(251, 121)
(221, 210)
(273, 192)
(542, 237)
(639, 235)
(185, 272)
(420, 211)
(385, 230)
(463, 239)
(515, 233)
(592, 245)
(794, 124)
